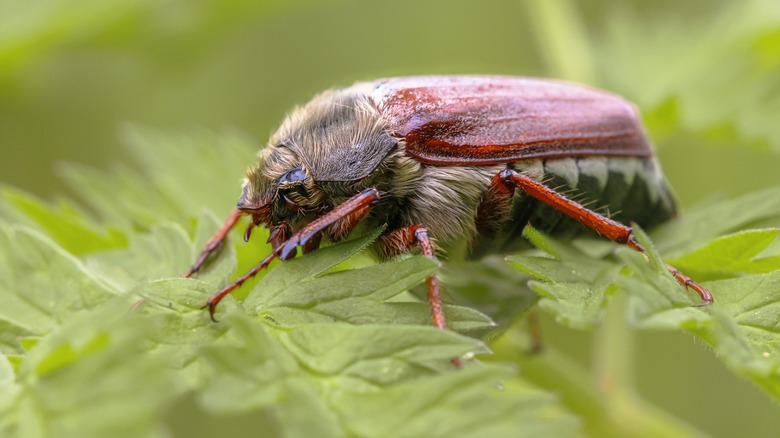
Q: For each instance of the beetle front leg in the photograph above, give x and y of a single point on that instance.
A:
(607, 227)
(215, 243)
(307, 237)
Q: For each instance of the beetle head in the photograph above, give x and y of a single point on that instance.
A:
(321, 155)
(280, 188)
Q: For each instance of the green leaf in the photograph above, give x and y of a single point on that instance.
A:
(165, 252)
(696, 227)
(575, 286)
(168, 188)
(7, 374)
(69, 227)
(169, 161)
(579, 305)
(746, 327)
(658, 300)
(490, 285)
(455, 404)
(289, 296)
(42, 285)
(739, 54)
(380, 282)
(746, 357)
(184, 325)
(731, 255)
(10, 337)
(371, 355)
(365, 370)
(92, 379)
(742, 325)
(141, 203)
(316, 263)
(250, 372)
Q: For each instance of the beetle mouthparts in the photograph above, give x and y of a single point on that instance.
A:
(251, 206)
(254, 210)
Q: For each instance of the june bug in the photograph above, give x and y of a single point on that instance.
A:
(441, 158)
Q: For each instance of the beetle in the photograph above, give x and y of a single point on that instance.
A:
(442, 158)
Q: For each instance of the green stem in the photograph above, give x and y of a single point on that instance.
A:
(562, 39)
(603, 397)
(614, 351)
(613, 374)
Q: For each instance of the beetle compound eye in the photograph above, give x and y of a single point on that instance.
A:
(296, 175)
(292, 189)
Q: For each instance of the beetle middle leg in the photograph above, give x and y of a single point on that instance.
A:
(607, 227)
(400, 241)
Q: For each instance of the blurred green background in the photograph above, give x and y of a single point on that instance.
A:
(706, 74)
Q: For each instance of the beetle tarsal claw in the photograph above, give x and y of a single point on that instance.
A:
(288, 250)
(305, 239)
(248, 232)
(212, 309)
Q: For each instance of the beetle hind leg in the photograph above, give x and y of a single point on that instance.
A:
(706, 297)
(607, 227)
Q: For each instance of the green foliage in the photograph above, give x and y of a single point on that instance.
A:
(742, 325)
(113, 341)
(324, 344)
(99, 336)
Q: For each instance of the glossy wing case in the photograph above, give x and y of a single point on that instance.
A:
(480, 120)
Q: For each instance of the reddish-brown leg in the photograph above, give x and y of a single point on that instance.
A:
(706, 297)
(434, 291)
(279, 234)
(357, 204)
(215, 243)
(495, 206)
(253, 223)
(603, 225)
(305, 237)
(401, 240)
(217, 297)
(313, 244)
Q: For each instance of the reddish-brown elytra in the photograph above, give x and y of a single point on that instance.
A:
(439, 158)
